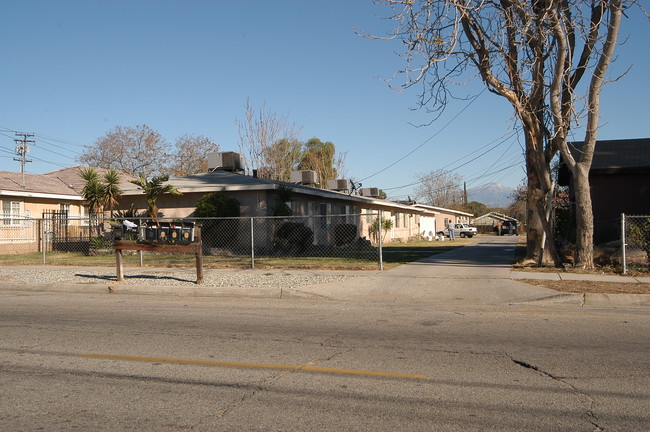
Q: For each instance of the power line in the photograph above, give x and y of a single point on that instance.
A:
(427, 140)
(458, 160)
(6, 129)
(59, 147)
(51, 138)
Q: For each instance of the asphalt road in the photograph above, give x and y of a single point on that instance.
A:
(107, 362)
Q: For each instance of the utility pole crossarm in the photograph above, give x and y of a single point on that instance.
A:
(22, 148)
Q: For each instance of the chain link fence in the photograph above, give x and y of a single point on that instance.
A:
(348, 240)
(635, 234)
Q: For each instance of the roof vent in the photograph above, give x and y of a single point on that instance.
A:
(370, 192)
(340, 185)
(225, 161)
(306, 177)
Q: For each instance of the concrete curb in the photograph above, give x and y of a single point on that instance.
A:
(617, 300)
(559, 276)
(198, 291)
(594, 300)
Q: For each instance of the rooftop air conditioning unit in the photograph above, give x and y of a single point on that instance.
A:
(306, 177)
(226, 161)
(369, 192)
(340, 185)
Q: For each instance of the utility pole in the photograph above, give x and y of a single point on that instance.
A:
(22, 147)
(465, 194)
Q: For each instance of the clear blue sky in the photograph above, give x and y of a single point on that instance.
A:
(73, 70)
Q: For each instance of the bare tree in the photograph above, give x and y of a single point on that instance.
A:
(133, 150)
(258, 132)
(190, 155)
(534, 54)
(517, 207)
(280, 158)
(440, 188)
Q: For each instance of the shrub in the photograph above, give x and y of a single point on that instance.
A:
(640, 237)
(100, 243)
(373, 229)
(345, 234)
(293, 237)
(221, 231)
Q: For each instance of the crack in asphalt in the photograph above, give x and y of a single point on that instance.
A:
(259, 385)
(592, 418)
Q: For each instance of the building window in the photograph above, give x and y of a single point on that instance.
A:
(65, 212)
(311, 211)
(398, 220)
(261, 204)
(10, 211)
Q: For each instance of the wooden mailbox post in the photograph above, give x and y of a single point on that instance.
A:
(195, 247)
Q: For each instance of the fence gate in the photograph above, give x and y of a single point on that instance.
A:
(63, 233)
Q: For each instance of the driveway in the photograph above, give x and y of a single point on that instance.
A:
(479, 272)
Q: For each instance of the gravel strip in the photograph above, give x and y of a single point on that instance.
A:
(175, 277)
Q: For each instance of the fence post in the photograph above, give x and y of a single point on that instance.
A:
(379, 241)
(623, 243)
(252, 245)
(43, 238)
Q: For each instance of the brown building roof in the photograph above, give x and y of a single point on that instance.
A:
(34, 184)
(72, 177)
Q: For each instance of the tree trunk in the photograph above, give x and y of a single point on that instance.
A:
(539, 186)
(533, 221)
(584, 252)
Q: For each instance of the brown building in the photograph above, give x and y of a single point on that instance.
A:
(620, 183)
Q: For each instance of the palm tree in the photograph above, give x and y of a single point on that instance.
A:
(283, 195)
(112, 191)
(93, 192)
(153, 189)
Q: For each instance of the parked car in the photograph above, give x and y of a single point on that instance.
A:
(460, 230)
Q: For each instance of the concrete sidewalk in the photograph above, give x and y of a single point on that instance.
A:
(479, 273)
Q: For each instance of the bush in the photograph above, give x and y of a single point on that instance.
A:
(345, 234)
(293, 237)
(640, 237)
(373, 229)
(218, 232)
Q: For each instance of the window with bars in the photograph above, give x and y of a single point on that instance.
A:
(10, 212)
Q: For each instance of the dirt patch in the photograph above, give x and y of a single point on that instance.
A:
(591, 287)
(604, 263)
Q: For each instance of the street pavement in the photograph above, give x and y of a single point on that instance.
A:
(479, 273)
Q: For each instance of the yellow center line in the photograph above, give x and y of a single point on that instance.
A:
(255, 366)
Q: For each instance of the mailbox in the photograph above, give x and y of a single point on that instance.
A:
(167, 233)
(187, 233)
(150, 232)
(175, 232)
(162, 232)
(118, 232)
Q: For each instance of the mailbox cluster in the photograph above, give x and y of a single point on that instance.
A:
(167, 232)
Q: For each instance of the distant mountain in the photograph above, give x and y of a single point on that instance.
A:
(491, 194)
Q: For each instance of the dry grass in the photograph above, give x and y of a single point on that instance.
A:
(591, 287)
(606, 263)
